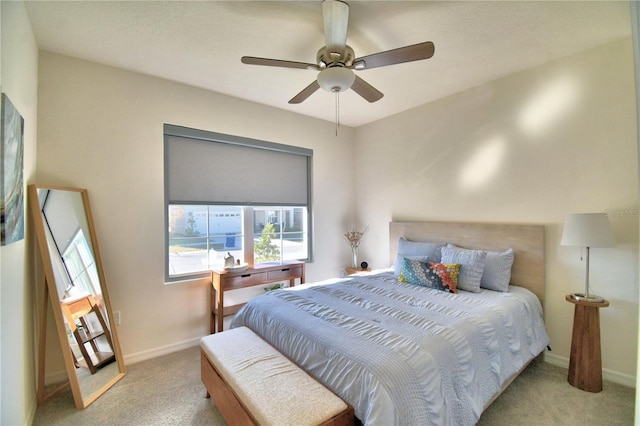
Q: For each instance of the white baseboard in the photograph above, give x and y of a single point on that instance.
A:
(560, 361)
(60, 376)
(609, 375)
(162, 350)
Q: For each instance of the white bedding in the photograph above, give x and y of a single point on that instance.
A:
(400, 353)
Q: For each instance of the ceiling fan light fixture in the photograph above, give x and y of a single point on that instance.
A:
(336, 79)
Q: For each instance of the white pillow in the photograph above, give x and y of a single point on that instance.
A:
(414, 250)
(497, 270)
(472, 262)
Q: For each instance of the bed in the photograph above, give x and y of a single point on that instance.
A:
(401, 353)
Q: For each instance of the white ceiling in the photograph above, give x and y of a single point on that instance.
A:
(200, 43)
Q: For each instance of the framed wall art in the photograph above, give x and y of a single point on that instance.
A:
(11, 173)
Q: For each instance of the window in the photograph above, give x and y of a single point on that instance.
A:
(225, 194)
(80, 266)
(279, 234)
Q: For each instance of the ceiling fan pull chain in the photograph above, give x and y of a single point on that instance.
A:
(337, 111)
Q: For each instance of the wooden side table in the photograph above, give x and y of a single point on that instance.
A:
(351, 270)
(585, 365)
(224, 280)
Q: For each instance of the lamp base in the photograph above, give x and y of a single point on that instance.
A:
(590, 298)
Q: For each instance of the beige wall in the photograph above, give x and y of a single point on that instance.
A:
(18, 65)
(529, 148)
(101, 128)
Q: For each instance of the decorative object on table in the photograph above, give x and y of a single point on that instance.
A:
(587, 230)
(238, 267)
(231, 264)
(12, 195)
(353, 237)
(364, 265)
(229, 261)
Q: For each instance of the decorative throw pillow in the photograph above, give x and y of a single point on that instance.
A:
(472, 262)
(399, 258)
(435, 275)
(410, 249)
(497, 270)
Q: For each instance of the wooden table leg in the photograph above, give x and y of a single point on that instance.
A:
(212, 319)
(585, 365)
(220, 310)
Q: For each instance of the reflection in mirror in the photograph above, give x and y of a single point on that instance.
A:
(77, 289)
(65, 227)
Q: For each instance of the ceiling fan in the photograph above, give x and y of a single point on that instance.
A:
(336, 60)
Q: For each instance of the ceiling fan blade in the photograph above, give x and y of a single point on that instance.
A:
(306, 92)
(252, 60)
(366, 90)
(335, 15)
(411, 53)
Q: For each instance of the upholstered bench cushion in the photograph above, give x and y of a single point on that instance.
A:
(274, 390)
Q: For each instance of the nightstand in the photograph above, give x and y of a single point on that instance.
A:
(585, 365)
(350, 270)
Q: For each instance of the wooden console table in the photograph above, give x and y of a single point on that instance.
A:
(224, 280)
(585, 365)
(76, 311)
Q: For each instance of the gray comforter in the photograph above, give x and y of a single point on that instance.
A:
(399, 353)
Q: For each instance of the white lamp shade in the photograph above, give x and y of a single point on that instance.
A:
(587, 230)
(336, 79)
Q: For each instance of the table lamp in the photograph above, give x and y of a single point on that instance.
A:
(587, 230)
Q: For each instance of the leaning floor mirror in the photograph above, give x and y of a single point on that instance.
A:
(73, 279)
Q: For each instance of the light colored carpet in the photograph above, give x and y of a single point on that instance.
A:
(541, 396)
(167, 391)
(162, 391)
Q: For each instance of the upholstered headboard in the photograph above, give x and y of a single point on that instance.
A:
(527, 242)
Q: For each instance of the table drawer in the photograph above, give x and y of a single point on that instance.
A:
(244, 280)
(286, 273)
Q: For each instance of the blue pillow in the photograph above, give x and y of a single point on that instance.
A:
(472, 262)
(416, 250)
(497, 270)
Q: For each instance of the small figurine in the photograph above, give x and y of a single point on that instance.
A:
(229, 261)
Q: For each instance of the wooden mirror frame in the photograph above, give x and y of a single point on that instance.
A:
(49, 288)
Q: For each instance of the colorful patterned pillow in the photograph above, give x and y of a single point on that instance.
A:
(439, 276)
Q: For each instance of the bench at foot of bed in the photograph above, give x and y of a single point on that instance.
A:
(252, 383)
